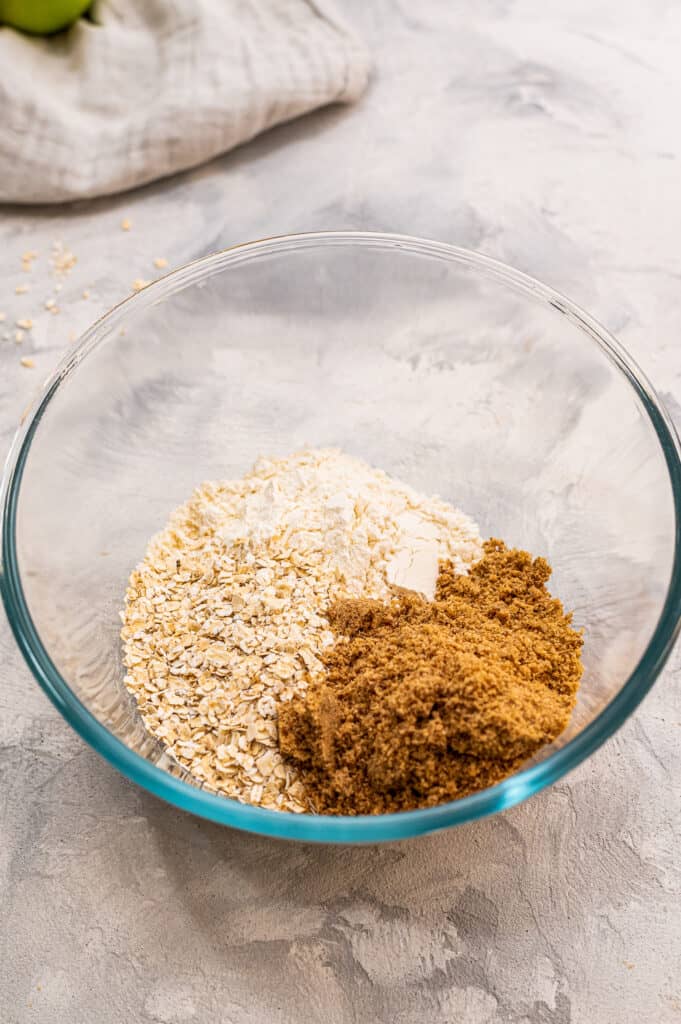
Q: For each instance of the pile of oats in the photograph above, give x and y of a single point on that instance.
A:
(225, 617)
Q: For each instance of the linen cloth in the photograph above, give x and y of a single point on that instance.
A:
(150, 87)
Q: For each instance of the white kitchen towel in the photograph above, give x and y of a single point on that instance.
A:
(150, 87)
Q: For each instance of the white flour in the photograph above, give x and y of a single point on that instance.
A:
(369, 528)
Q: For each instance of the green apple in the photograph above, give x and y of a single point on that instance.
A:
(41, 17)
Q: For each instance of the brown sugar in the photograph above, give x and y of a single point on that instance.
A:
(424, 702)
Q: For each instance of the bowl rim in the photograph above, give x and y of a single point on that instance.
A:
(321, 828)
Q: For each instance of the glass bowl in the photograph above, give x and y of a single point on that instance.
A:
(449, 370)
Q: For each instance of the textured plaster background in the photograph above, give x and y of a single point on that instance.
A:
(544, 133)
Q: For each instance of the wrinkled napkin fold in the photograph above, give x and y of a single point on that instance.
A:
(150, 87)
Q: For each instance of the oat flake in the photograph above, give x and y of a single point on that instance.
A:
(225, 617)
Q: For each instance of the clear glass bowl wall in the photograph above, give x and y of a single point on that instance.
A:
(446, 369)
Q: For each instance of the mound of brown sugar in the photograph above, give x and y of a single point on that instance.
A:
(424, 702)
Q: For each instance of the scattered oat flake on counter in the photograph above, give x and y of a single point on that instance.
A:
(27, 362)
(25, 324)
(139, 283)
(225, 618)
(3, 317)
(21, 289)
(62, 259)
(126, 224)
(86, 293)
(18, 337)
(160, 262)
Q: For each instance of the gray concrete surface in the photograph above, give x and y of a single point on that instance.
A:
(547, 135)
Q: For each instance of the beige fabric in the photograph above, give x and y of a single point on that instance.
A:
(149, 88)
